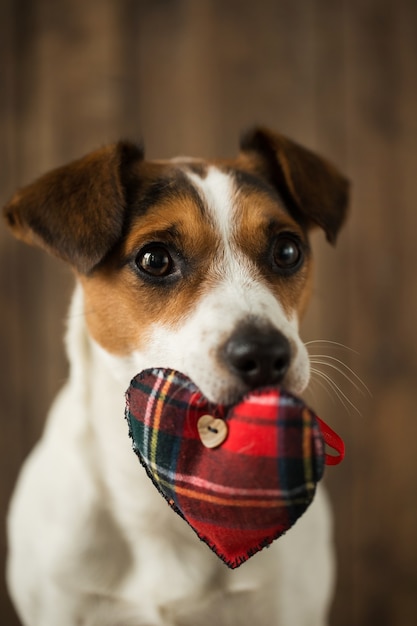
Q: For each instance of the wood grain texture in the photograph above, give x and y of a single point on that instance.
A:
(339, 77)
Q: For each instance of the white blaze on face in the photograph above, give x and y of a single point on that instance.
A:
(234, 294)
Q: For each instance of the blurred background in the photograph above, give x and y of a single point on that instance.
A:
(339, 76)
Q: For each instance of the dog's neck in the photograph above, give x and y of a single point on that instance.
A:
(87, 360)
(95, 389)
(97, 395)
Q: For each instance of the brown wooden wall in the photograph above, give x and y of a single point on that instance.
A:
(188, 75)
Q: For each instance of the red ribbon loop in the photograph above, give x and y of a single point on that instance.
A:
(333, 440)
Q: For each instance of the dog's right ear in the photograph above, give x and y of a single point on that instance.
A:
(77, 211)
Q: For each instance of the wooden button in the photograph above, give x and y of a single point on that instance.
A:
(212, 431)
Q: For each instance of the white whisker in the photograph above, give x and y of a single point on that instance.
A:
(320, 359)
(327, 342)
(335, 387)
(320, 383)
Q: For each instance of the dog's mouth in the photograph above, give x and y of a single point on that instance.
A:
(252, 357)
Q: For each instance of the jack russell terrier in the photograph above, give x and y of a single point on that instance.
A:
(200, 266)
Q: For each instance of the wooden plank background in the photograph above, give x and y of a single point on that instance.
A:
(337, 75)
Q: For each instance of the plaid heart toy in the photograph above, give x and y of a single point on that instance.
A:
(241, 475)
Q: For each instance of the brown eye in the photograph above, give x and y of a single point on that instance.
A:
(287, 253)
(155, 261)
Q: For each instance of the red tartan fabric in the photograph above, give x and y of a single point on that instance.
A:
(245, 493)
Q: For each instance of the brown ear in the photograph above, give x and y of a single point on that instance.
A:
(313, 190)
(76, 211)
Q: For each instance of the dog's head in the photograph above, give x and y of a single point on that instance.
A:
(200, 266)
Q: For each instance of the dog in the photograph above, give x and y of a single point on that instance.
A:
(200, 266)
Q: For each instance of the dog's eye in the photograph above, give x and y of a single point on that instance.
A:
(287, 253)
(155, 260)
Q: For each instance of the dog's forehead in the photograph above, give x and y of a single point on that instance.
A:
(228, 195)
(217, 189)
(209, 211)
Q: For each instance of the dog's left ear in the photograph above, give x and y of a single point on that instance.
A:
(77, 212)
(314, 192)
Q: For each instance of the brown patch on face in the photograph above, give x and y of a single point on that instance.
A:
(261, 223)
(122, 303)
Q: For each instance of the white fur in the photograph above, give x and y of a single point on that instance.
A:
(94, 544)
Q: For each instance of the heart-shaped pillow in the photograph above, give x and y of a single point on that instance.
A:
(239, 475)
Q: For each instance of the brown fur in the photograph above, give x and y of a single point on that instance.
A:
(79, 211)
(76, 211)
(261, 219)
(99, 211)
(313, 190)
(115, 293)
(120, 304)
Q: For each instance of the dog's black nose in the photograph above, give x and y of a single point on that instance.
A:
(257, 356)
